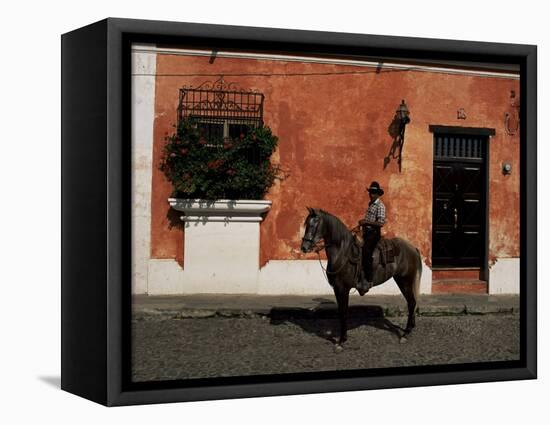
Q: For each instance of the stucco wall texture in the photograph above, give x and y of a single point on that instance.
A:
(333, 127)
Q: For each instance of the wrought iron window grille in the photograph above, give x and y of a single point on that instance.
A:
(451, 146)
(223, 110)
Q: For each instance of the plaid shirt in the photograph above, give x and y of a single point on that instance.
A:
(376, 212)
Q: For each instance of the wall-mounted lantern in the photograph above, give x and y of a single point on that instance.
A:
(403, 114)
(397, 131)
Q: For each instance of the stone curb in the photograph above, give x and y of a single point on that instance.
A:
(281, 313)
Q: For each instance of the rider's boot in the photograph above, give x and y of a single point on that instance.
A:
(363, 285)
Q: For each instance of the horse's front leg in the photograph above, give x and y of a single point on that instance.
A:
(342, 297)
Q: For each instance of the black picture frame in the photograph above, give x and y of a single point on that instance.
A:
(96, 250)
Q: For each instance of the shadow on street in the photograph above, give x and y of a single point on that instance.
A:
(322, 320)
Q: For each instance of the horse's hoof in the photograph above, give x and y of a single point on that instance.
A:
(338, 348)
(403, 340)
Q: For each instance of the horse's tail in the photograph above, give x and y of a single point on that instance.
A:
(418, 275)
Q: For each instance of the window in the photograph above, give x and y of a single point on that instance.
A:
(453, 146)
(222, 109)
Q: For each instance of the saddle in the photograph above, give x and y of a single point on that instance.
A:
(387, 251)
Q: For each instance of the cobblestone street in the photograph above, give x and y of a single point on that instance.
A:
(165, 349)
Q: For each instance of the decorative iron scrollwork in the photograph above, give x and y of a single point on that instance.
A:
(219, 85)
(220, 99)
(511, 118)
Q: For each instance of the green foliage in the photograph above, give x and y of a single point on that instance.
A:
(237, 168)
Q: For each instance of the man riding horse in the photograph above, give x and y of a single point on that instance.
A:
(375, 218)
(343, 271)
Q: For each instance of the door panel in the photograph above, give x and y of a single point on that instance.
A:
(459, 212)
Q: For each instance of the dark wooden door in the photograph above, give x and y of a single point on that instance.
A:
(459, 207)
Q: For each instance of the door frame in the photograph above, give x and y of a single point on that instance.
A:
(474, 131)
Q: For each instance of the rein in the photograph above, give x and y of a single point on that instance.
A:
(320, 245)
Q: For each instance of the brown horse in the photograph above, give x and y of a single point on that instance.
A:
(344, 262)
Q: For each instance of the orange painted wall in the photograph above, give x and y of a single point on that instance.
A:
(333, 138)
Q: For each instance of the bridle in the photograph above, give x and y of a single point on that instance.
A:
(319, 245)
(316, 246)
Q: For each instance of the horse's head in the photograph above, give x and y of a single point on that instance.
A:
(312, 234)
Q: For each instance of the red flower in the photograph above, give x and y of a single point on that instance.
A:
(172, 155)
(231, 172)
(241, 136)
(202, 141)
(227, 145)
(184, 151)
(213, 165)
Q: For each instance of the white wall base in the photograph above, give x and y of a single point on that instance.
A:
(293, 277)
(222, 257)
(166, 277)
(143, 116)
(222, 245)
(305, 277)
(387, 288)
(426, 279)
(504, 276)
(277, 277)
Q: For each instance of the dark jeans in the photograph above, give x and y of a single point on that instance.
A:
(371, 236)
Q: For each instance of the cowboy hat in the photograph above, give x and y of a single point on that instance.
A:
(375, 188)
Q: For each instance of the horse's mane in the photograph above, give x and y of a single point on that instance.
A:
(338, 230)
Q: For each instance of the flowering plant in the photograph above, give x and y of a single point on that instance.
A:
(238, 168)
